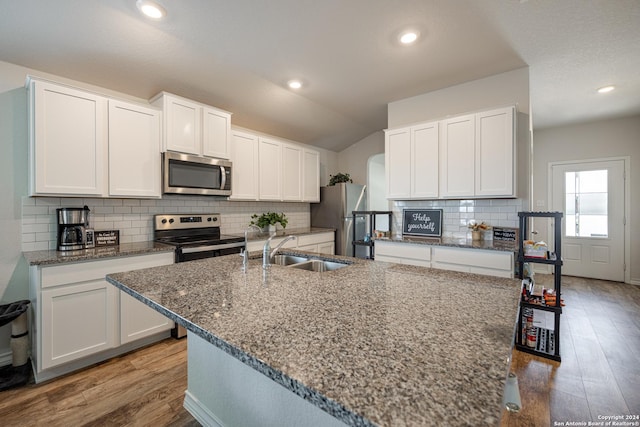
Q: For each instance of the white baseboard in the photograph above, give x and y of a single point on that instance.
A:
(635, 282)
(199, 411)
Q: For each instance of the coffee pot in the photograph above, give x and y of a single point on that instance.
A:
(73, 229)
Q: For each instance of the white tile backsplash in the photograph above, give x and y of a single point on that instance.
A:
(458, 213)
(134, 217)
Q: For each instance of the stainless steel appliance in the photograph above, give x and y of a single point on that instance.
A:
(334, 211)
(188, 174)
(73, 229)
(194, 236)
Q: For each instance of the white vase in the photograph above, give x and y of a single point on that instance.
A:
(271, 228)
(476, 235)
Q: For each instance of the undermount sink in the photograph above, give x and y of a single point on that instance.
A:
(309, 264)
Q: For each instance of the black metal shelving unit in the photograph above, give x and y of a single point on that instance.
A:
(370, 219)
(547, 342)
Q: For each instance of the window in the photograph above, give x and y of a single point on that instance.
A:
(586, 203)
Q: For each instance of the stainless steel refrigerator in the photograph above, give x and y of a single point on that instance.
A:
(334, 211)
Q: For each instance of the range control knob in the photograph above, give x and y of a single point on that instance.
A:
(171, 221)
(164, 220)
(215, 218)
(209, 219)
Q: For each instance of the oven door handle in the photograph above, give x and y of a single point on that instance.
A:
(211, 248)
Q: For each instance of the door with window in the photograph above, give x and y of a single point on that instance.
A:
(591, 196)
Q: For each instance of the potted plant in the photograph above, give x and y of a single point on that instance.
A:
(267, 221)
(477, 228)
(338, 178)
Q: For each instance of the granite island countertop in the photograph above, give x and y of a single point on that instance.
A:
(373, 343)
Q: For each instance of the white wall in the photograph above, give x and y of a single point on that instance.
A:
(353, 160)
(599, 139)
(500, 90)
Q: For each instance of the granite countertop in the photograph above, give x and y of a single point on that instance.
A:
(373, 343)
(454, 242)
(283, 232)
(51, 257)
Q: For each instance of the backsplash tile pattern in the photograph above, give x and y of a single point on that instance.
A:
(134, 217)
(458, 213)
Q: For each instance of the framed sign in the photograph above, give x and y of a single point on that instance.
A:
(505, 234)
(422, 222)
(107, 238)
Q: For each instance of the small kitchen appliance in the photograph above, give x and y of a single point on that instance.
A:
(195, 237)
(73, 229)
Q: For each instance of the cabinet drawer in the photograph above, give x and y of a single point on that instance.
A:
(403, 250)
(314, 239)
(474, 258)
(93, 270)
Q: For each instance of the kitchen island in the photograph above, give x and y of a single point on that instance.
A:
(372, 343)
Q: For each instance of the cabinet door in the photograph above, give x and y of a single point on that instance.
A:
(311, 176)
(291, 172)
(183, 120)
(270, 155)
(138, 321)
(398, 163)
(134, 150)
(457, 157)
(495, 154)
(244, 156)
(424, 161)
(77, 321)
(327, 248)
(68, 141)
(216, 130)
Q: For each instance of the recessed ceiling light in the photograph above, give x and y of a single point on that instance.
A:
(408, 37)
(606, 89)
(151, 9)
(294, 84)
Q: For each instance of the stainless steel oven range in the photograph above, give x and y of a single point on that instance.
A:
(195, 236)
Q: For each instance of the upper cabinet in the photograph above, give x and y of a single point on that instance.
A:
(194, 128)
(470, 156)
(134, 150)
(268, 168)
(85, 144)
(68, 140)
(457, 159)
(412, 162)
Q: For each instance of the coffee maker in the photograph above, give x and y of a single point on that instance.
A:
(73, 229)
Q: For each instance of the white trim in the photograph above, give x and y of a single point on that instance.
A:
(200, 412)
(627, 202)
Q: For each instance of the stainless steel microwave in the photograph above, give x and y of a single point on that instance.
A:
(189, 174)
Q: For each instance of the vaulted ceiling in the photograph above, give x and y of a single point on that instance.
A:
(238, 55)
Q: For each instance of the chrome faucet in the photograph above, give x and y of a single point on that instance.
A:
(268, 253)
(245, 253)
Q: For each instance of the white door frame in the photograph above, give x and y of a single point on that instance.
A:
(627, 201)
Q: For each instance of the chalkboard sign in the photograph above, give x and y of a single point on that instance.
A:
(422, 222)
(504, 234)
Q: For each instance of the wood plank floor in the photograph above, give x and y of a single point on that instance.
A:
(599, 374)
(600, 348)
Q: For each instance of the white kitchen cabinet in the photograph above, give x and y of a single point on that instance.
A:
(68, 140)
(245, 160)
(139, 321)
(398, 163)
(216, 131)
(403, 253)
(457, 157)
(310, 175)
(323, 243)
(495, 153)
(79, 319)
(134, 150)
(270, 169)
(194, 128)
(292, 178)
(478, 261)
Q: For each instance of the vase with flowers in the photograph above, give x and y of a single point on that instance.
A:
(267, 221)
(477, 229)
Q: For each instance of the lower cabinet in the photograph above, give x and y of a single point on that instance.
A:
(323, 243)
(79, 319)
(468, 260)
